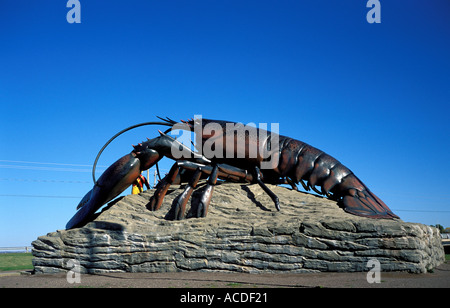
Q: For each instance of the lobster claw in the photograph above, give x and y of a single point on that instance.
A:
(112, 183)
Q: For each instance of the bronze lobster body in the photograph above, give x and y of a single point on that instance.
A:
(238, 155)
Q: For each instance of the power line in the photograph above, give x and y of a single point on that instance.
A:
(422, 211)
(43, 181)
(418, 196)
(40, 196)
(44, 168)
(45, 163)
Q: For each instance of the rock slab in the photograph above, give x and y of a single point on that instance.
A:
(242, 233)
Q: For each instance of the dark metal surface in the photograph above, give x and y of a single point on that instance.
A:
(295, 163)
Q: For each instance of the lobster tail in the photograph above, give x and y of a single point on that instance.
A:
(302, 162)
(357, 199)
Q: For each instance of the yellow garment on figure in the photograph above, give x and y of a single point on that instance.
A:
(137, 188)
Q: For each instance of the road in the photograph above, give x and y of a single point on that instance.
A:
(439, 278)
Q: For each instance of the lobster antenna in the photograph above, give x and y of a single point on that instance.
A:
(157, 169)
(166, 123)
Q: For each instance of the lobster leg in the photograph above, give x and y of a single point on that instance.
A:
(223, 171)
(179, 208)
(203, 205)
(266, 189)
(199, 209)
(157, 199)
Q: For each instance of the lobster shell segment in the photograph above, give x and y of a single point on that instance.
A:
(301, 162)
(359, 200)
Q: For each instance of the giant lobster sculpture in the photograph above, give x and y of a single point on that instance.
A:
(292, 162)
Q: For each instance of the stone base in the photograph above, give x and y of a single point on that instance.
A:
(242, 233)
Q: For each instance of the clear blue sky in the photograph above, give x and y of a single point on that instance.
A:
(374, 96)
